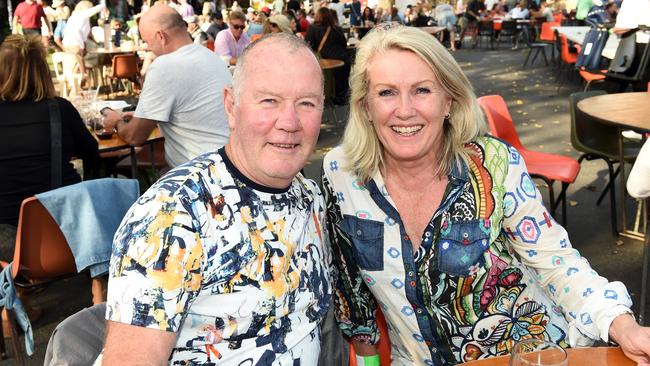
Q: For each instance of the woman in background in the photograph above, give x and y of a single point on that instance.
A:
(25, 143)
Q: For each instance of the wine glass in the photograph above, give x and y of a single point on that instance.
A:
(538, 352)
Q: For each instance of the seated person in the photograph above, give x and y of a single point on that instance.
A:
(230, 43)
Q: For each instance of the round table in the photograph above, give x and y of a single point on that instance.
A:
(329, 63)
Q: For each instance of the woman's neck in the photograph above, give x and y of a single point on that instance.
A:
(410, 173)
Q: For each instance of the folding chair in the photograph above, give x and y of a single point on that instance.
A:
(124, 67)
(67, 70)
(545, 166)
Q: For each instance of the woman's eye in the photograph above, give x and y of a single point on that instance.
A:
(423, 90)
(386, 93)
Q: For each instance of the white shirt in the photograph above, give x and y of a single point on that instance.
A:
(518, 13)
(78, 27)
(632, 14)
(638, 183)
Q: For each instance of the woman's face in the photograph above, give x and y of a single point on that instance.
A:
(406, 105)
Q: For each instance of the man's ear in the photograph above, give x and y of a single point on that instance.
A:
(229, 105)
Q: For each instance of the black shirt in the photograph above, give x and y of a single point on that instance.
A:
(475, 6)
(214, 28)
(25, 158)
(335, 46)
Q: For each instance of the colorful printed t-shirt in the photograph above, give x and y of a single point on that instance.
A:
(238, 270)
(493, 268)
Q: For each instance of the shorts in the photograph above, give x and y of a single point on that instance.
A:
(60, 26)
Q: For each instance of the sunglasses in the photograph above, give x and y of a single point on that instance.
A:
(274, 25)
(238, 27)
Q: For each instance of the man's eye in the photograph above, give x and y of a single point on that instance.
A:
(307, 104)
(422, 90)
(386, 93)
(269, 101)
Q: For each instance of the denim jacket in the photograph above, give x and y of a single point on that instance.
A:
(493, 268)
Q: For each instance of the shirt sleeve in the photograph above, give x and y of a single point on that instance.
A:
(588, 301)
(156, 101)
(627, 17)
(221, 44)
(157, 264)
(638, 183)
(354, 304)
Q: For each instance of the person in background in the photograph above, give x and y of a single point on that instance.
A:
(334, 47)
(520, 11)
(277, 24)
(473, 13)
(229, 262)
(182, 93)
(77, 29)
(445, 17)
(426, 215)
(368, 17)
(230, 43)
(185, 9)
(301, 18)
(394, 15)
(62, 13)
(193, 28)
(29, 15)
(632, 14)
(216, 26)
(339, 7)
(257, 26)
(355, 13)
(26, 90)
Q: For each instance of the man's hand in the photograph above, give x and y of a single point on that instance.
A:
(132, 345)
(633, 338)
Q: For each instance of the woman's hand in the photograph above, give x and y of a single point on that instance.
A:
(633, 338)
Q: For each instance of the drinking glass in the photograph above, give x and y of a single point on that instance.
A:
(537, 352)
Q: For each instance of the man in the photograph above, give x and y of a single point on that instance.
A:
(29, 15)
(301, 18)
(216, 26)
(198, 35)
(230, 43)
(223, 261)
(182, 93)
(473, 13)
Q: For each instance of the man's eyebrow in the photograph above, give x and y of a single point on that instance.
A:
(269, 92)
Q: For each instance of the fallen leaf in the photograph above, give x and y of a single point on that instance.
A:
(538, 125)
(556, 122)
(592, 188)
(524, 124)
(519, 102)
(525, 113)
(573, 203)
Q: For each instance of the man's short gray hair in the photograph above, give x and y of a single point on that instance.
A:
(291, 43)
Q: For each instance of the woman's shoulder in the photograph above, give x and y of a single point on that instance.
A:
(491, 147)
(335, 163)
(336, 154)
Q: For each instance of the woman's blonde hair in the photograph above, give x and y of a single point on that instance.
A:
(24, 73)
(466, 121)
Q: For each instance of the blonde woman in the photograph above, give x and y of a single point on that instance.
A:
(442, 229)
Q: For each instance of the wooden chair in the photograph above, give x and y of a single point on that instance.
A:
(41, 256)
(384, 342)
(545, 166)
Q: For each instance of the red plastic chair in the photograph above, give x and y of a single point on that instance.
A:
(545, 166)
(590, 77)
(546, 38)
(384, 342)
(210, 45)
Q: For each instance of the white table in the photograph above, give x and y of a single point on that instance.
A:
(578, 34)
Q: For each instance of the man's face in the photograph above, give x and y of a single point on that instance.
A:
(237, 27)
(275, 124)
(154, 38)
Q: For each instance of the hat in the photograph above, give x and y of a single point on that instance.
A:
(191, 19)
(57, 3)
(282, 22)
(266, 11)
(250, 10)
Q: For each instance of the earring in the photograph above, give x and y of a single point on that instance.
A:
(448, 116)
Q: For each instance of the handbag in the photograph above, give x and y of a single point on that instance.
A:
(322, 42)
(592, 48)
(56, 144)
(625, 53)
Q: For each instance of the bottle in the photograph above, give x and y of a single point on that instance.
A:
(118, 38)
(107, 35)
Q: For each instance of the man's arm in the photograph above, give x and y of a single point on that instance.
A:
(133, 130)
(132, 345)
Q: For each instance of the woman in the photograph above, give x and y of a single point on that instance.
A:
(25, 143)
(441, 227)
(276, 24)
(368, 17)
(334, 47)
(62, 14)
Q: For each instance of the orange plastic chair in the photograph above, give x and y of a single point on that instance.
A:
(568, 60)
(255, 37)
(384, 342)
(41, 255)
(545, 166)
(125, 67)
(546, 38)
(590, 77)
(210, 45)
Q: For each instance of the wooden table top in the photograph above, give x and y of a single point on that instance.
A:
(116, 143)
(114, 50)
(589, 356)
(328, 63)
(629, 110)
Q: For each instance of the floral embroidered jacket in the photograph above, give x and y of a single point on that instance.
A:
(494, 267)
